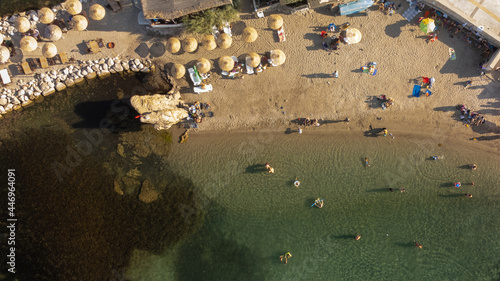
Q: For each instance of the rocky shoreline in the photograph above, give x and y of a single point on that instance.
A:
(25, 94)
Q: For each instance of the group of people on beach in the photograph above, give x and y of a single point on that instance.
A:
(468, 116)
(196, 111)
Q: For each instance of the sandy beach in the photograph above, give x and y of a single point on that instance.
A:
(304, 86)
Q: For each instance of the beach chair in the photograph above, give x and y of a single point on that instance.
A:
(249, 69)
(281, 34)
(26, 68)
(64, 57)
(93, 47)
(203, 89)
(4, 74)
(44, 63)
(195, 77)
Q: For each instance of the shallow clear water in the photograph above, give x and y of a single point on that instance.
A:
(222, 217)
(254, 217)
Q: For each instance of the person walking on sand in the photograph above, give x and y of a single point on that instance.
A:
(300, 130)
(367, 163)
(286, 257)
(296, 183)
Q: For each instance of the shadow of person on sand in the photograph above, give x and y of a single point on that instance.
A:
(317, 75)
(255, 168)
(373, 132)
(378, 189)
(454, 195)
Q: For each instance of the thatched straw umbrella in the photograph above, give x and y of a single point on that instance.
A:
(28, 44)
(22, 24)
(226, 63)
(49, 50)
(97, 12)
(203, 65)
(208, 42)
(249, 34)
(73, 7)
(224, 41)
(278, 57)
(79, 22)
(190, 45)
(178, 70)
(254, 59)
(46, 15)
(173, 45)
(4, 54)
(275, 22)
(53, 32)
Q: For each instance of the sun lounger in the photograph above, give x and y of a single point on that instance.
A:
(281, 34)
(355, 7)
(44, 63)
(26, 68)
(194, 76)
(411, 13)
(93, 47)
(64, 57)
(4, 74)
(248, 67)
(200, 89)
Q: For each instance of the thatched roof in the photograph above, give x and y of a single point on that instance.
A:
(171, 9)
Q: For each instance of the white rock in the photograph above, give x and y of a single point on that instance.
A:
(137, 62)
(96, 61)
(36, 94)
(145, 70)
(53, 72)
(110, 62)
(2, 110)
(101, 61)
(71, 67)
(46, 79)
(65, 71)
(9, 107)
(140, 66)
(125, 65)
(105, 67)
(84, 72)
(21, 92)
(118, 68)
(51, 84)
(15, 100)
(3, 101)
(29, 92)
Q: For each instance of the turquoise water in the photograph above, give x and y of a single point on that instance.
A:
(253, 217)
(220, 216)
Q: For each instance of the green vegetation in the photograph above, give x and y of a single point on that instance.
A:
(9, 7)
(203, 21)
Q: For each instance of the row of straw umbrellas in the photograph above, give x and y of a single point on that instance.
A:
(224, 41)
(226, 63)
(52, 31)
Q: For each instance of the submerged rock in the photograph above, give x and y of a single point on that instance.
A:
(147, 194)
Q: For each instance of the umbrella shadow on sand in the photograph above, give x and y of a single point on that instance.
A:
(394, 30)
(142, 50)
(157, 49)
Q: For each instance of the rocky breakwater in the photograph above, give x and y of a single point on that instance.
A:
(162, 111)
(24, 94)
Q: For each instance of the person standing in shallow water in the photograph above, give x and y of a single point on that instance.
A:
(417, 245)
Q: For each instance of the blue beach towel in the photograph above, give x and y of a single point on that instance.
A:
(416, 91)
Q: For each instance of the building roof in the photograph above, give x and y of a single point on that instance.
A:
(171, 9)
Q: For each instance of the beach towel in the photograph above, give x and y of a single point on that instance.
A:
(411, 13)
(416, 91)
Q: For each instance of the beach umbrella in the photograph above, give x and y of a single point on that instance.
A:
(208, 42)
(203, 65)
(46, 15)
(224, 41)
(226, 63)
(53, 32)
(275, 22)
(79, 22)
(49, 50)
(278, 57)
(173, 45)
(249, 34)
(22, 24)
(4, 54)
(73, 7)
(254, 59)
(353, 35)
(97, 12)
(178, 70)
(190, 45)
(427, 25)
(28, 44)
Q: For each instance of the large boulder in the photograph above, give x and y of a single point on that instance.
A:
(147, 194)
(160, 110)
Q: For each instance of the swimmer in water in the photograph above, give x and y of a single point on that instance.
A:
(417, 245)
(473, 167)
(367, 163)
(458, 184)
(357, 237)
(268, 166)
(435, 157)
(402, 189)
(468, 195)
(271, 170)
(296, 183)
